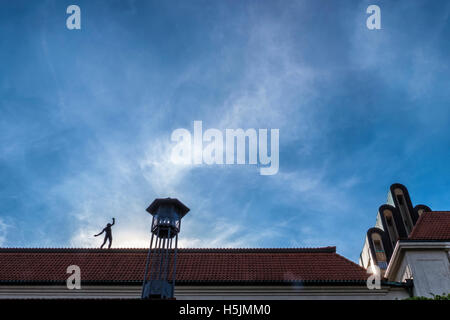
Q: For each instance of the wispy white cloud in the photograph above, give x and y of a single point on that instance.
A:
(275, 85)
(3, 232)
(398, 62)
(253, 69)
(224, 233)
(158, 168)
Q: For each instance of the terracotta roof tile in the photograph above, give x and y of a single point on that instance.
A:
(433, 225)
(240, 265)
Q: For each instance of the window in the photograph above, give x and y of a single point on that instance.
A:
(378, 247)
(400, 199)
(389, 221)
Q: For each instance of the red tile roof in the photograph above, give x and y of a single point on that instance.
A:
(193, 265)
(433, 225)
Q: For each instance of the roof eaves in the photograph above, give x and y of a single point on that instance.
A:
(207, 283)
(180, 250)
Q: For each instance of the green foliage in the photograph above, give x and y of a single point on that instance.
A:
(435, 297)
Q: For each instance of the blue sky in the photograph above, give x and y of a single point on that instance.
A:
(86, 118)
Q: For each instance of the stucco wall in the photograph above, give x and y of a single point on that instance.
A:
(428, 263)
(431, 271)
(210, 292)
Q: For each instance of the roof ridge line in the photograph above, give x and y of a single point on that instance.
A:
(329, 249)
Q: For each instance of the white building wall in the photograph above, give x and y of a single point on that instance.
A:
(430, 270)
(427, 262)
(210, 292)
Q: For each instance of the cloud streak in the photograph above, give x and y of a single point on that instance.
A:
(3, 232)
(87, 138)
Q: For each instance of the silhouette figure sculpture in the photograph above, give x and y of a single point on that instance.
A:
(108, 234)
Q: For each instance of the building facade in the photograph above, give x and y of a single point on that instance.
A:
(313, 273)
(411, 246)
(395, 220)
(424, 258)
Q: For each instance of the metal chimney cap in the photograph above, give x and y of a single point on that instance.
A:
(167, 201)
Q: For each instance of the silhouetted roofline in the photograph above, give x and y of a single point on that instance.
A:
(182, 250)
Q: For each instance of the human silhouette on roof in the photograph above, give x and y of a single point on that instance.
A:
(108, 234)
